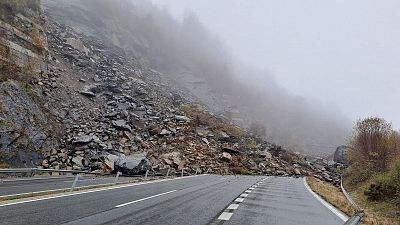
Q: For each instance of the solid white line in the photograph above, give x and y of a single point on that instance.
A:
(139, 200)
(244, 195)
(38, 178)
(225, 216)
(233, 206)
(332, 208)
(239, 200)
(97, 190)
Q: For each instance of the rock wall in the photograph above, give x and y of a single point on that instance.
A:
(22, 38)
(24, 124)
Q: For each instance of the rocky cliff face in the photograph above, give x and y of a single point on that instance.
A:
(24, 126)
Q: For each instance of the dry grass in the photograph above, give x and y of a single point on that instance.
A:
(331, 194)
(334, 196)
(4, 165)
(377, 213)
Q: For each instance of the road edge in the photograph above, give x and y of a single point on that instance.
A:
(332, 208)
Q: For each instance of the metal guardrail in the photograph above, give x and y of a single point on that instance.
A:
(35, 170)
(358, 216)
(77, 173)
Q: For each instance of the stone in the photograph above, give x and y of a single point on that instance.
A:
(77, 44)
(85, 139)
(165, 132)
(205, 141)
(121, 125)
(111, 114)
(182, 118)
(88, 94)
(109, 160)
(226, 157)
(134, 164)
(78, 161)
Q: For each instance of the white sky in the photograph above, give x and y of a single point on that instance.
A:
(340, 52)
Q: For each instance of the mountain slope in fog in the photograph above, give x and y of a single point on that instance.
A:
(196, 60)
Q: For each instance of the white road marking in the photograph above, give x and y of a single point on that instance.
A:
(251, 188)
(336, 211)
(239, 200)
(244, 195)
(233, 206)
(38, 178)
(247, 191)
(225, 216)
(139, 200)
(97, 190)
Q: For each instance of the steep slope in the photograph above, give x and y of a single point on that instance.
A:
(186, 53)
(90, 105)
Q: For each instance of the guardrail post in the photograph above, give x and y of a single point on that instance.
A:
(74, 183)
(182, 173)
(116, 177)
(147, 173)
(168, 172)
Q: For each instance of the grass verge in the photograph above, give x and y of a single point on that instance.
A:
(334, 196)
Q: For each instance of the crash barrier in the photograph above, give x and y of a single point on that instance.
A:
(30, 172)
(358, 216)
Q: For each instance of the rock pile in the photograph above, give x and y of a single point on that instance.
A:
(116, 114)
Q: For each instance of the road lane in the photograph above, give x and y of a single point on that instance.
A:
(192, 200)
(19, 186)
(66, 209)
(282, 201)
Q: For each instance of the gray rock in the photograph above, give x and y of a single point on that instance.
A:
(109, 161)
(88, 94)
(132, 165)
(82, 140)
(78, 161)
(205, 141)
(226, 157)
(182, 118)
(165, 132)
(121, 125)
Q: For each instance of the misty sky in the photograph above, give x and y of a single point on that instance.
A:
(343, 53)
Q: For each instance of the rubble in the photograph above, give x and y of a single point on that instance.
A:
(115, 114)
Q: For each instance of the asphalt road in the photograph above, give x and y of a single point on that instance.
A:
(25, 185)
(192, 200)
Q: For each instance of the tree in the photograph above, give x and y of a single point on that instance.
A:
(374, 142)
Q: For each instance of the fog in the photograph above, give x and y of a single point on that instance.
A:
(306, 70)
(344, 53)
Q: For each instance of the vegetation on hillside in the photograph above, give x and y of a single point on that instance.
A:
(373, 175)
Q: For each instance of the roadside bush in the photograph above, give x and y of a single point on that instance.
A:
(386, 186)
(374, 142)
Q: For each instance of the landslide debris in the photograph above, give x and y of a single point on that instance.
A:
(112, 112)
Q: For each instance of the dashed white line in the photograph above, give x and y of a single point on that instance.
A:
(247, 191)
(251, 188)
(225, 216)
(244, 195)
(139, 200)
(239, 200)
(233, 206)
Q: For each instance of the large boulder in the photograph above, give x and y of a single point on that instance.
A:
(135, 164)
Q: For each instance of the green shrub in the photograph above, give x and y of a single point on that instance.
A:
(386, 186)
